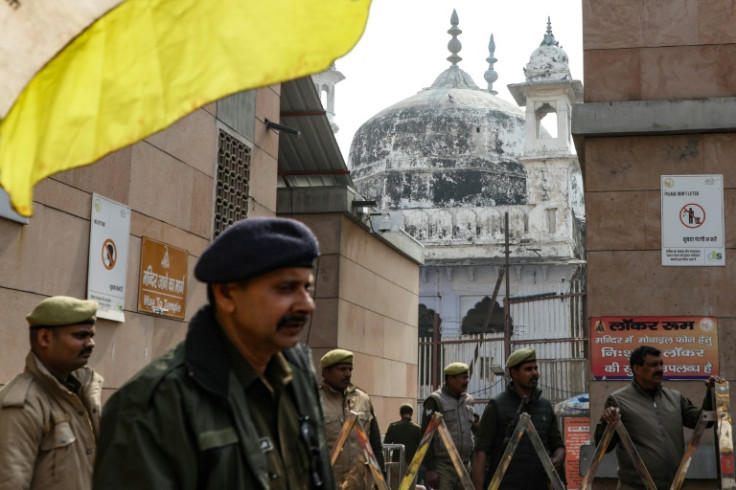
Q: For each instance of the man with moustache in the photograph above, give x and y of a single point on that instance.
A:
(49, 414)
(653, 416)
(236, 404)
(525, 471)
(340, 397)
(456, 407)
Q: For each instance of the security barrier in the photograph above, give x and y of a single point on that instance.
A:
(436, 424)
(395, 464)
(364, 444)
(525, 425)
(724, 447)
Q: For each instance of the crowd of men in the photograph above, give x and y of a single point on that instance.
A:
(238, 404)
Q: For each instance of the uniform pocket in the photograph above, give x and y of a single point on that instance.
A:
(56, 452)
(60, 436)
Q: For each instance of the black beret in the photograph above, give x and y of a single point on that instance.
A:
(254, 246)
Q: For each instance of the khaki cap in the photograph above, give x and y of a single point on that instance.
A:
(456, 368)
(520, 357)
(59, 311)
(336, 356)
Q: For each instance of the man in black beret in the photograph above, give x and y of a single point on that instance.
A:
(50, 413)
(236, 405)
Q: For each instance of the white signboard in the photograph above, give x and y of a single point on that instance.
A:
(693, 232)
(108, 256)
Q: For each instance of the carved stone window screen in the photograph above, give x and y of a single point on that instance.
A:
(233, 181)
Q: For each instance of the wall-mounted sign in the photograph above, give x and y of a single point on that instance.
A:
(109, 234)
(693, 232)
(162, 287)
(688, 345)
(577, 433)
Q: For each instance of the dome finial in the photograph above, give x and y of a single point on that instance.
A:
(549, 38)
(491, 75)
(454, 45)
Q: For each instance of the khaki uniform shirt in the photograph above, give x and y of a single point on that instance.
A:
(47, 432)
(351, 467)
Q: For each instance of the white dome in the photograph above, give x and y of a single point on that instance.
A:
(549, 61)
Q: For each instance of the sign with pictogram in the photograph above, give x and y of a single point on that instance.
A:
(693, 231)
(109, 234)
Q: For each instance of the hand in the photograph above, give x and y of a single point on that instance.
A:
(557, 463)
(431, 478)
(612, 415)
(711, 382)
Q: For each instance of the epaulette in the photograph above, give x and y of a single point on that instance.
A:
(16, 391)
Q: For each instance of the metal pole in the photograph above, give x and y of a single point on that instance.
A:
(435, 351)
(506, 304)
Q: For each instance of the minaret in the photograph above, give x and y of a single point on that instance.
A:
(491, 75)
(325, 83)
(554, 187)
(549, 91)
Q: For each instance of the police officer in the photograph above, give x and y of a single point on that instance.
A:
(406, 432)
(456, 406)
(49, 414)
(236, 405)
(340, 397)
(525, 472)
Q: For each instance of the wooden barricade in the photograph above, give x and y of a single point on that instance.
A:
(364, 444)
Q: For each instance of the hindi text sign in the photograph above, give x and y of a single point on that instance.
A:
(577, 433)
(162, 288)
(689, 345)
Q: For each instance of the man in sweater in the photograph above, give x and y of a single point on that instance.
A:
(653, 416)
(456, 406)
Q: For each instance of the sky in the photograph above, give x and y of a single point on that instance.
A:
(404, 48)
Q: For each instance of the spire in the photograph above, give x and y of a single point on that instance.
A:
(491, 75)
(454, 77)
(549, 38)
(454, 45)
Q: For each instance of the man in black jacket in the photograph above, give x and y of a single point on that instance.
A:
(236, 405)
(525, 472)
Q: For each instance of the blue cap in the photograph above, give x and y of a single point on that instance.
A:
(253, 246)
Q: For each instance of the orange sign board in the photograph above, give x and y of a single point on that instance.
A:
(688, 345)
(577, 433)
(162, 288)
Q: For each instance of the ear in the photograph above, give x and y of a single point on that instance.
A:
(44, 337)
(222, 294)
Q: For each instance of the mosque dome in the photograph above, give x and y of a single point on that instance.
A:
(450, 145)
(549, 61)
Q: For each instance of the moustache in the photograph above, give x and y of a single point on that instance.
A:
(291, 319)
(85, 352)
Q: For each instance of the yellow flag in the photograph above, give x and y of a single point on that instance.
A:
(147, 63)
